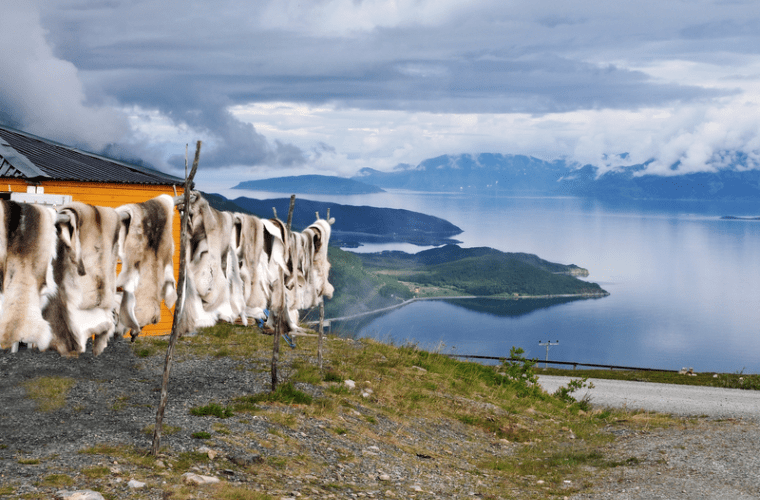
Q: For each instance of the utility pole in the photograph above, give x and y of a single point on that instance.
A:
(547, 344)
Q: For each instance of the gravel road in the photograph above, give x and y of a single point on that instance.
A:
(714, 458)
(683, 400)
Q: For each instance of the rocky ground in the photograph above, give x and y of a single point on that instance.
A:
(99, 440)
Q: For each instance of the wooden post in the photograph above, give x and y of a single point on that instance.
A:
(321, 327)
(321, 314)
(282, 300)
(178, 309)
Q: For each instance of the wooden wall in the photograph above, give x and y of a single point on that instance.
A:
(113, 195)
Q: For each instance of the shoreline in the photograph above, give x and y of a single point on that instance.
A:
(460, 297)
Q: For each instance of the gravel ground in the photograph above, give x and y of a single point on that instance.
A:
(115, 396)
(114, 399)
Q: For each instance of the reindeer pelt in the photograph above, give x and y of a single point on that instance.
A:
(249, 249)
(146, 250)
(27, 248)
(319, 234)
(213, 266)
(84, 270)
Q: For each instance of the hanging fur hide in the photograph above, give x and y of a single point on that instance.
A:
(146, 250)
(85, 274)
(27, 248)
(214, 278)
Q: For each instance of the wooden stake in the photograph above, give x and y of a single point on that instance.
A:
(282, 300)
(178, 309)
(321, 314)
(321, 327)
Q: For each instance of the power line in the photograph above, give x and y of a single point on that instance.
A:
(547, 344)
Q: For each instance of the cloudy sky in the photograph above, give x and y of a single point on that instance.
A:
(286, 87)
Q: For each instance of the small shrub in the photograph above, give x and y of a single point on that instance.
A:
(340, 431)
(520, 372)
(212, 409)
(332, 376)
(201, 435)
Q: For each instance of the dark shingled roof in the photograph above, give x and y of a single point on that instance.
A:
(30, 157)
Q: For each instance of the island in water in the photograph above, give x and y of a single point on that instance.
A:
(310, 184)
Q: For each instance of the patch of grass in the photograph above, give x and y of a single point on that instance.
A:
(57, 481)
(212, 409)
(284, 419)
(120, 403)
(29, 461)
(222, 429)
(166, 430)
(201, 435)
(189, 458)
(125, 453)
(7, 490)
(228, 492)
(148, 347)
(285, 394)
(49, 392)
(340, 390)
(340, 431)
(277, 462)
(331, 375)
(96, 472)
(306, 373)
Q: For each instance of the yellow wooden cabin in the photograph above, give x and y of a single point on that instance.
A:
(37, 170)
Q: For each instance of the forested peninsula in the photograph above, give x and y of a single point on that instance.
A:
(370, 281)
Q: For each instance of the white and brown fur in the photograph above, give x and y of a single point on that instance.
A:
(305, 269)
(214, 281)
(249, 248)
(84, 270)
(27, 248)
(146, 250)
(280, 275)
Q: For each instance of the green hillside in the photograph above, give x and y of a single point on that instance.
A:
(365, 282)
(499, 275)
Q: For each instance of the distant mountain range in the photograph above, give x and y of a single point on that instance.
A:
(310, 184)
(354, 225)
(524, 175)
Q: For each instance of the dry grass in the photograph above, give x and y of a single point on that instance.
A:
(49, 392)
(403, 386)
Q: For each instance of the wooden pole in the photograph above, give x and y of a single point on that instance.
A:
(321, 327)
(282, 300)
(321, 313)
(178, 309)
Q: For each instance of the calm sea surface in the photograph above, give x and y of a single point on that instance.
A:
(684, 285)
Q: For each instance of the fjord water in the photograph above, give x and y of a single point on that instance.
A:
(684, 285)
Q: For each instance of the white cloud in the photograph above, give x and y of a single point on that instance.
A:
(348, 17)
(43, 94)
